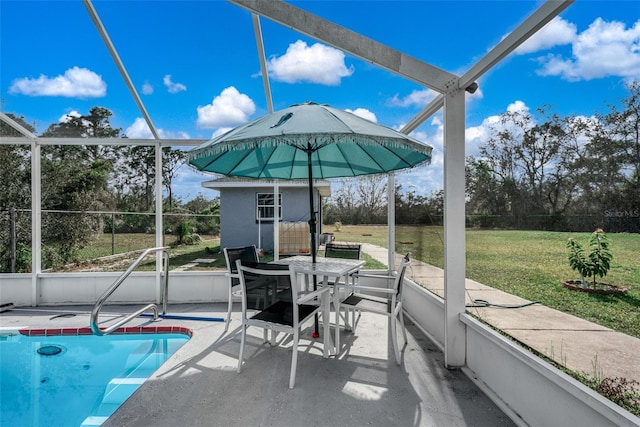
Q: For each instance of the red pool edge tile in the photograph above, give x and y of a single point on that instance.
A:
(141, 330)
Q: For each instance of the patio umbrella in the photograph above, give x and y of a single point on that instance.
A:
(309, 141)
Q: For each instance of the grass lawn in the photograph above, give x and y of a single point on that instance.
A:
(180, 256)
(530, 264)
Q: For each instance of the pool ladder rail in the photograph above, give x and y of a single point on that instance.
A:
(98, 306)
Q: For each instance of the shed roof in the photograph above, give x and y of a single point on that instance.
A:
(322, 186)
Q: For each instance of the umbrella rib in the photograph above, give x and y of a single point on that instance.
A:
(235, 164)
(267, 161)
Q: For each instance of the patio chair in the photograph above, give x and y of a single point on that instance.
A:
(388, 304)
(284, 309)
(231, 255)
(347, 251)
(343, 250)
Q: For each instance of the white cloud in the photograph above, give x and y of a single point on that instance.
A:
(312, 64)
(604, 49)
(478, 135)
(557, 32)
(140, 130)
(230, 108)
(75, 83)
(517, 106)
(147, 89)
(171, 86)
(364, 113)
(417, 98)
(65, 117)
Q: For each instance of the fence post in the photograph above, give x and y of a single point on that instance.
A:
(113, 233)
(12, 237)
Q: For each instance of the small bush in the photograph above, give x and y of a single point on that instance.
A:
(597, 263)
(183, 230)
(191, 239)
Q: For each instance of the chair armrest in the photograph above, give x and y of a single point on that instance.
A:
(307, 296)
(232, 275)
(356, 288)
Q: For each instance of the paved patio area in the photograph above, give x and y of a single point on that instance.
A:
(199, 385)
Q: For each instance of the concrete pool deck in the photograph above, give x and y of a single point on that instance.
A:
(199, 385)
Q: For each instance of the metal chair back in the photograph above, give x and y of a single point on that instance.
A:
(343, 250)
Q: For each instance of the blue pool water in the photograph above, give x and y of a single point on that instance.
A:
(78, 380)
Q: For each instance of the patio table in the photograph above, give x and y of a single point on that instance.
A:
(325, 268)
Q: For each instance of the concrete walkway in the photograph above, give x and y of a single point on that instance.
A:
(572, 342)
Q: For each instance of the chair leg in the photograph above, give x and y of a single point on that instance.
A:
(394, 338)
(353, 318)
(244, 334)
(326, 315)
(294, 359)
(404, 330)
(228, 320)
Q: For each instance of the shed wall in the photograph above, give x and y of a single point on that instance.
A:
(238, 224)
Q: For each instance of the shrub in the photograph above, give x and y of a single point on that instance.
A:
(596, 263)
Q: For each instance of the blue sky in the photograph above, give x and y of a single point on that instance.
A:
(195, 66)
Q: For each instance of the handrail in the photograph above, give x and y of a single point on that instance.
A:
(96, 309)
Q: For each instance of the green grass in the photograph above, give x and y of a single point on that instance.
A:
(530, 264)
(179, 255)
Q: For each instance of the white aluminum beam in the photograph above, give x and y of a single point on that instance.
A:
(17, 126)
(36, 220)
(16, 140)
(123, 71)
(159, 222)
(428, 111)
(454, 228)
(391, 222)
(352, 43)
(263, 61)
(526, 29)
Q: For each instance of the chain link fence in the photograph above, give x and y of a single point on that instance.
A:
(74, 237)
(609, 221)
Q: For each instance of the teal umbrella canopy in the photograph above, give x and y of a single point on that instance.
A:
(278, 146)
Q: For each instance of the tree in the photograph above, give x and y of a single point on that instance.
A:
(93, 125)
(15, 181)
(625, 129)
(15, 168)
(608, 167)
(525, 168)
(343, 205)
(75, 178)
(172, 160)
(137, 174)
(372, 195)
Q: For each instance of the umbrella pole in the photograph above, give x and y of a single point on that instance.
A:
(312, 231)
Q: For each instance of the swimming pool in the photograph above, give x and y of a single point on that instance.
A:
(74, 380)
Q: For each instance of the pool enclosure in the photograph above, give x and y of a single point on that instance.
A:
(467, 344)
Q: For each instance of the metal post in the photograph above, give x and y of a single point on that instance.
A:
(454, 228)
(113, 233)
(12, 237)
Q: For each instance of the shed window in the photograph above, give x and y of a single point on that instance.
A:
(265, 207)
